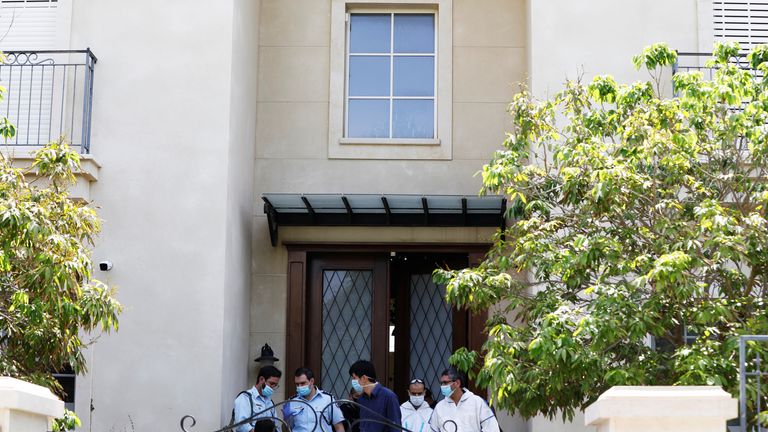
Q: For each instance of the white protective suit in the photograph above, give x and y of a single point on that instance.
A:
(415, 419)
(471, 414)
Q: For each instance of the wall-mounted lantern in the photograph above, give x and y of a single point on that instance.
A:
(267, 357)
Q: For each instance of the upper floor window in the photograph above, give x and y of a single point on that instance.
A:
(391, 79)
(391, 84)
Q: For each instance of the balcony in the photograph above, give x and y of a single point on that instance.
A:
(692, 61)
(49, 95)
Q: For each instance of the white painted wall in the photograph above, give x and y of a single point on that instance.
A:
(601, 36)
(240, 203)
(176, 214)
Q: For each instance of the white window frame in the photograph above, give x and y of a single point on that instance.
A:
(392, 56)
(438, 147)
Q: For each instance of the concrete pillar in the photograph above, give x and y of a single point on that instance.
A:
(26, 407)
(662, 408)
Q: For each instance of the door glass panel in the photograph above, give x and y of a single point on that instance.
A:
(431, 330)
(347, 299)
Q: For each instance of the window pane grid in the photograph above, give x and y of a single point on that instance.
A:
(395, 54)
(391, 67)
(414, 123)
(394, 97)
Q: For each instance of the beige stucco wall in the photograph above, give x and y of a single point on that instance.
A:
(489, 59)
(173, 127)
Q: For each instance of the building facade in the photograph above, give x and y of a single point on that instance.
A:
(289, 172)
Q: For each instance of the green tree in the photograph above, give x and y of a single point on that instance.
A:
(635, 219)
(49, 303)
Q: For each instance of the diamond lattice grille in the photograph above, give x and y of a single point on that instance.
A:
(347, 298)
(431, 330)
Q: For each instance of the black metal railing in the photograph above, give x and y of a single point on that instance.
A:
(752, 383)
(49, 94)
(695, 61)
(187, 422)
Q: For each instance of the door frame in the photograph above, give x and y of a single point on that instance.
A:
(298, 325)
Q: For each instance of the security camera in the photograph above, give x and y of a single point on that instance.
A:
(105, 265)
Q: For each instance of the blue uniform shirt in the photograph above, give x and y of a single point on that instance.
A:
(383, 402)
(301, 418)
(243, 408)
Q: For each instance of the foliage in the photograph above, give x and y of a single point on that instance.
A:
(637, 220)
(49, 302)
(67, 422)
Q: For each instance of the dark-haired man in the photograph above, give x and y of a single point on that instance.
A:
(460, 409)
(258, 399)
(315, 406)
(379, 403)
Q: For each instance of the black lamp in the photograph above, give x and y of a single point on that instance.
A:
(267, 356)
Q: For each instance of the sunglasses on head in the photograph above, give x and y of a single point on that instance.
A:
(417, 381)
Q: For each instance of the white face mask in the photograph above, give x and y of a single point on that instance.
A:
(417, 400)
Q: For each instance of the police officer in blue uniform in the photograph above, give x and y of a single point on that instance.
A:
(258, 399)
(323, 412)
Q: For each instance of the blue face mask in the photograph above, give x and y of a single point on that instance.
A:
(303, 391)
(356, 386)
(267, 391)
(446, 390)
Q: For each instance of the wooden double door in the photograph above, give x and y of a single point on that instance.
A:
(382, 307)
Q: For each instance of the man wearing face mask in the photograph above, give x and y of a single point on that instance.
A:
(416, 411)
(323, 412)
(259, 398)
(460, 409)
(378, 402)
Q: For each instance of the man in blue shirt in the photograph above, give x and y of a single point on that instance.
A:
(323, 411)
(379, 403)
(259, 398)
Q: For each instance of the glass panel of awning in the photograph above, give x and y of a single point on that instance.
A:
(405, 203)
(364, 203)
(478, 204)
(326, 203)
(445, 204)
(286, 203)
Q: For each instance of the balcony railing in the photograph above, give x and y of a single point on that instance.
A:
(49, 95)
(692, 61)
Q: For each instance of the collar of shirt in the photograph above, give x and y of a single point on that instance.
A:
(466, 395)
(375, 392)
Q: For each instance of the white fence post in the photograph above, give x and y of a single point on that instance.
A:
(26, 407)
(662, 408)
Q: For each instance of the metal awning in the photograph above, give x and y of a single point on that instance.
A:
(403, 210)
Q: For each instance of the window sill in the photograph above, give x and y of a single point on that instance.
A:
(390, 141)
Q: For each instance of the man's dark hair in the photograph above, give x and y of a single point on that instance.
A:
(268, 372)
(264, 425)
(363, 367)
(304, 371)
(456, 375)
